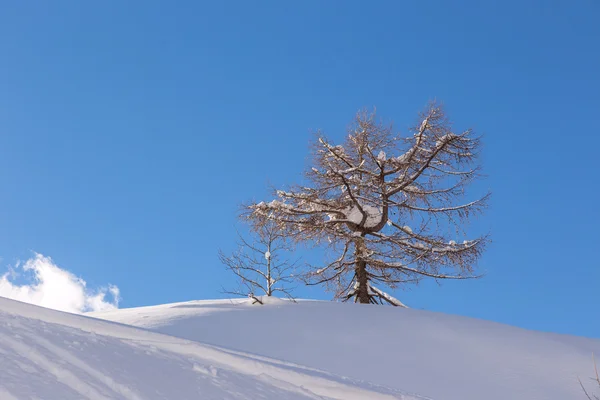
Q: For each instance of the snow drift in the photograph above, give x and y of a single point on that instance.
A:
(52, 355)
(230, 349)
(438, 356)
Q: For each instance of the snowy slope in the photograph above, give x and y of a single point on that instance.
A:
(439, 356)
(51, 355)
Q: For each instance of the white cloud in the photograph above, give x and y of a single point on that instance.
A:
(56, 288)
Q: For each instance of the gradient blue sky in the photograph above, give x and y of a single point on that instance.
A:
(131, 131)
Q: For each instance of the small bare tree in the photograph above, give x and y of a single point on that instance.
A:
(260, 266)
(596, 380)
(387, 208)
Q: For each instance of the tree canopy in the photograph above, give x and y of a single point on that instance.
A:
(390, 209)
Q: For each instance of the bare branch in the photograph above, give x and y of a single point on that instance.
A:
(258, 266)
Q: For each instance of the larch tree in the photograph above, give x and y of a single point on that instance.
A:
(260, 264)
(389, 210)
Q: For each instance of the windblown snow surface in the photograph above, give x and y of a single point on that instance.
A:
(433, 355)
(307, 350)
(51, 355)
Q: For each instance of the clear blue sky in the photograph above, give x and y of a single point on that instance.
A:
(131, 131)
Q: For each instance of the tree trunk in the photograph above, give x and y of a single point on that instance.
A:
(269, 279)
(362, 289)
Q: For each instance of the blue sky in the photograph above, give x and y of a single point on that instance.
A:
(131, 132)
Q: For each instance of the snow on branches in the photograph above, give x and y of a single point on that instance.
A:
(388, 208)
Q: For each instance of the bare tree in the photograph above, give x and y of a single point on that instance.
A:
(388, 209)
(259, 264)
(596, 380)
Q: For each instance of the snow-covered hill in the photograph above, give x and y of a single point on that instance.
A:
(309, 350)
(437, 356)
(51, 355)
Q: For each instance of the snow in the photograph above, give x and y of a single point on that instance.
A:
(354, 215)
(403, 158)
(52, 355)
(374, 215)
(444, 139)
(386, 296)
(230, 349)
(436, 356)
